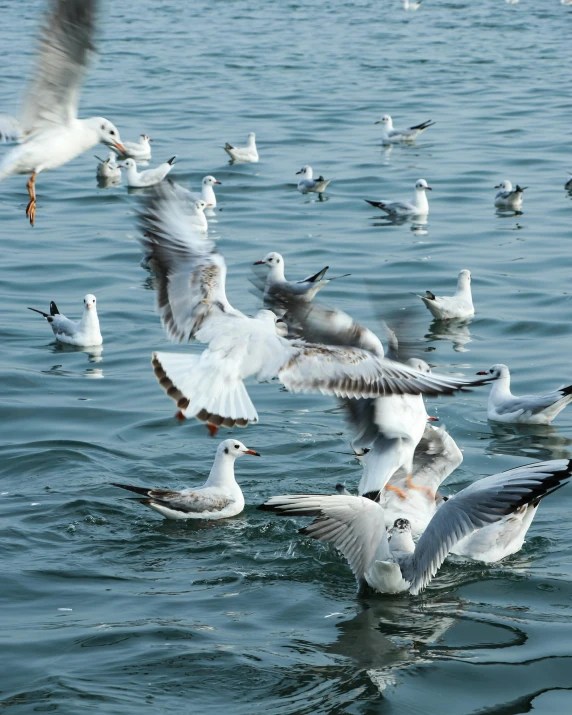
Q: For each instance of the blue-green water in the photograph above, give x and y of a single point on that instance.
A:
(107, 608)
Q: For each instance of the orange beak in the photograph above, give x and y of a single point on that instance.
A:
(258, 263)
(119, 146)
(251, 451)
(218, 182)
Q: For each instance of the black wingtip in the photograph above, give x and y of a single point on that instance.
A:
(54, 309)
(41, 312)
(377, 204)
(130, 488)
(265, 507)
(171, 161)
(429, 295)
(318, 276)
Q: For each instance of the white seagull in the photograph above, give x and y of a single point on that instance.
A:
(49, 132)
(192, 301)
(419, 206)
(218, 498)
(246, 153)
(411, 5)
(140, 150)
(507, 197)
(459, 305)
(392, 562)
(390, 135)
(107, 169)
(527, 409)
(86, 333)
(150, 177)
(308, 184)
(207, 192)
(277, 286)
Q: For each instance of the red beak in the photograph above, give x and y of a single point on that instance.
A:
(483, 372)
(251, 451)
(218, 182)
(258, 263)
(432, 419)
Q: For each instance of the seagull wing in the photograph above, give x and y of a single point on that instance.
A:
(354, 525)
(10, 129)
(486, 501)
(65, 44)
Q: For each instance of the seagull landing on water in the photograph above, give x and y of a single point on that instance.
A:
(507, 197)
(391, 135)
(308, 184)
(246, 153)
(150, 177)
(140, 150)
(390, 562)
(459, 305)
(527, 409)
(419, 206)
(277, 286)
(218, 498)
(86, 333)
(49, 132)
(107, 169)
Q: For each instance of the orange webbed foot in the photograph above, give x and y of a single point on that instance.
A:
(213, 429)
(400, 492)
(428, 493)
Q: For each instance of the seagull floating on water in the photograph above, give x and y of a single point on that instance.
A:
(207, 192)
(150, 177)
(507, 198)
(218, 498)
(277, 286)
(107, 169)
(390, 562)
(246, 153)
(308, 184)
(49, 132)
(527, 409)
(391, 135)
(459, 305)
(140, 150)
(412, 5)
(417, 207)
(86, 333)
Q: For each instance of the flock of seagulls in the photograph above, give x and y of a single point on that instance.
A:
(397, 530)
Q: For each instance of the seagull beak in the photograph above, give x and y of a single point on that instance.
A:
(119, 146)
(432, 419)
(251, 451)
(218, 182)
(258, 263)
(209, 204)
(149, 139)
(482, 372)
(298, 172)
(378, 121)
(497, 186)
(428, 188)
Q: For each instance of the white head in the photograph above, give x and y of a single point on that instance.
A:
(386, 121)
(89, 302)
(306, 172)
(498, 371)
(210, 181)
(107, 132)
(232, 448)
(464, 280)
(505, 185)
(419, 365)
(251, 138)
(129, 164)
(422, 185)
(200, 205)
(144, 139)
(400, 536)
(267, 316)
(272, 260)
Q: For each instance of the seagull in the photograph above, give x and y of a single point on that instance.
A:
(140, 150)
(415, 4)
(390, 562)
(218, 498)
(207, 192)
(308, 184)
(389, 135)
(246, 153)
(107, 169)
(192, 302)
(459, 305)
(277, 286)
(49, 132)
(85, 333)
(150, 177)
(506, 198)
(527, 409)
(417, 207)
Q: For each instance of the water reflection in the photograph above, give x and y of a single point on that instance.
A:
(538, 442)
(104, 183)
(456, 330)
(93, 352)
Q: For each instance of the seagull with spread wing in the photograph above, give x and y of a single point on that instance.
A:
(49, 133)
(192, 302)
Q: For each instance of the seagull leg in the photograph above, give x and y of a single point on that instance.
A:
(400, 492)
(213, 429)
(426, 490)
(31, 207)
(180, 416)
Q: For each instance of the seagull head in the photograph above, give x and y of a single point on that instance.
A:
(464, 280)
(281, 327)
(145, 139)
(128, 164)
(271, 259)
(422, 185)
(210, 181)
(200, 205)
(108, 132)
(505, 185)
(400, 536)
(232, 448)
(419, 365)
(89, 302)
(306, 172)
(385, 120)
(251, 138)
(496, 371)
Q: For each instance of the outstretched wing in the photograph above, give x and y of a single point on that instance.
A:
(486, 501)
(65, 44)
(191, 275)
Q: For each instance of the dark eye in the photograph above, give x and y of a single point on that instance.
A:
(236, 446)
(112, 132)
(103, 126)
(226, 450)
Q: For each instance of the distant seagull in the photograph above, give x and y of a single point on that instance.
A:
(417, 207)
(150, 177)
(514, 2)
(218, 498)
(107, 169)
(140, 151)
(411, 5)
(243, 153)
(507, 198)
(527, 409)
(390, 135)
(459, 305)
(85, 333)
(207, 192)
(390, 562)
(308, 184)
(277, 286)
(49, 132)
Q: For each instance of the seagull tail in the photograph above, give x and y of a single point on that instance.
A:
(377, 204)
(203, 392)
(54, 309)
(129, 487)
(171, 161)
